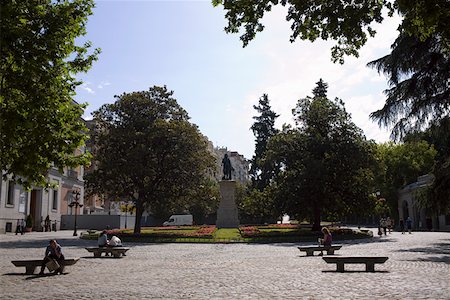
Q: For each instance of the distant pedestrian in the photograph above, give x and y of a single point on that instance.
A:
(383, 224)
(19, 226)
(47, 223)
(389, 224)
(409, 224)
(402, 225)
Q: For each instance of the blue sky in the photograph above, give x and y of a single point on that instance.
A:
(182, 44)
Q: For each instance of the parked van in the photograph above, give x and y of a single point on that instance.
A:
(177, 220)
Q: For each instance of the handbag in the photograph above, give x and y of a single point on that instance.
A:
(52, 265)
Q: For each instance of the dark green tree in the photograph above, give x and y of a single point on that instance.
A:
(418, 73)
(325, 162)
(261, 171)
(147, 150)
(349, 23)
(40, 123)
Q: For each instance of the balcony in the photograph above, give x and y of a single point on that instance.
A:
(72, 174)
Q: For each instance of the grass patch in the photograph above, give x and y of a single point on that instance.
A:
(228, 234)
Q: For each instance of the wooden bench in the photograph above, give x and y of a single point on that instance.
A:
(30, 265)
(310, 249)
(115, 251)
(369, 261)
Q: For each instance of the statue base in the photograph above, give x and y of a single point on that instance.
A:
(227, 214)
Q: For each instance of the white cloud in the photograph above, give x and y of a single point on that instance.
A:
(86, 87)
(103, 84)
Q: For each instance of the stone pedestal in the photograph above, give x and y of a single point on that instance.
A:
(227, 215)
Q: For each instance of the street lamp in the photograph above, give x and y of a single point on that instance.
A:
(76, 198)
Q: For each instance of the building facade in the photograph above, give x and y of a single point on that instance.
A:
(409, 206)
(16, 203)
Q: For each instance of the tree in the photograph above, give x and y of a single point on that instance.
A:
(419, 93)
(263, 129)
(147, 150)
(401, 164)
(347, 22)
(40, 123)
(325, 162)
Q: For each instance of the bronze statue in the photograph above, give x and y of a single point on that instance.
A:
(226, 167)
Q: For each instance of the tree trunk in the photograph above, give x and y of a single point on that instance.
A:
(316, 218)
(139, 212)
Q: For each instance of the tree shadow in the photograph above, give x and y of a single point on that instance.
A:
(40, 243)
(438, 248)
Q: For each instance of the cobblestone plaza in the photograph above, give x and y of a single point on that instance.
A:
(418, 268)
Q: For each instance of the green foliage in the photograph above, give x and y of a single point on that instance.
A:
(29, 221)
(325, 162)
(401, 164)
(349, 23)
(202, 201)
(261, 171)
(419, 93)
(147, 150)
(40, 124)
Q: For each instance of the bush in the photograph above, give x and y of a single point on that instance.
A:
(29, 221)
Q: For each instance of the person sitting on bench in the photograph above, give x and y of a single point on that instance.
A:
(103, 239)
(53, 251)
(327, 239)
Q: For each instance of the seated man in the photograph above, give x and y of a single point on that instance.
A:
(103, 239)
(53, 251)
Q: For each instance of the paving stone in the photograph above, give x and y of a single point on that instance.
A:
(418, 268)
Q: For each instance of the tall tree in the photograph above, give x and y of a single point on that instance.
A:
(325, 162)
(264, 128)
(147, 150)
(419, 93)
(40, 123)
(347, 22)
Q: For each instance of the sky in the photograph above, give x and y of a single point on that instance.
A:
(183, 45)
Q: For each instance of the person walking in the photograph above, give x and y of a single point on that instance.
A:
(409, 224)
(19, 227)
(402, 225)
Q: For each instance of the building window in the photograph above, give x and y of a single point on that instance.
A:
(55, 200)
(10, 195)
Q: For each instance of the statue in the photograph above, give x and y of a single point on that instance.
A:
(226, 168)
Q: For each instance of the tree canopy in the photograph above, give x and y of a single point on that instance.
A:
(40, 123)
(349, 23)
(325, 162)
(146, 150)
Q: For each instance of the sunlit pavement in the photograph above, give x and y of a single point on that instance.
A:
(418, 268)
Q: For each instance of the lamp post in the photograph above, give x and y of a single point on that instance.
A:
(76, 204)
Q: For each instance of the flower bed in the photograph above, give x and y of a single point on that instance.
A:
(168, 232)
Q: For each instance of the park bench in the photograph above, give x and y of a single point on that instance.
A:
(30, 265)
(310, 249)
(115, 251)
(369, 261)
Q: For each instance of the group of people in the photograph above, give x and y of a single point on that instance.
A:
(54, 251)
(408, 225)
(387, 224)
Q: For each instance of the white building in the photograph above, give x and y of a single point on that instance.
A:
(17, 203)
(409, 206)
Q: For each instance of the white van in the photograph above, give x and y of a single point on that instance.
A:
(177, 220)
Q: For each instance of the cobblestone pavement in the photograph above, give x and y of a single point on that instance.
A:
(418, 268)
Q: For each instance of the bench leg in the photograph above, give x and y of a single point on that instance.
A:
(330, 251)
(370, 267)
(340, 267)
(29, 270)
(116, 254)
(309, 253)
(97, 253)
